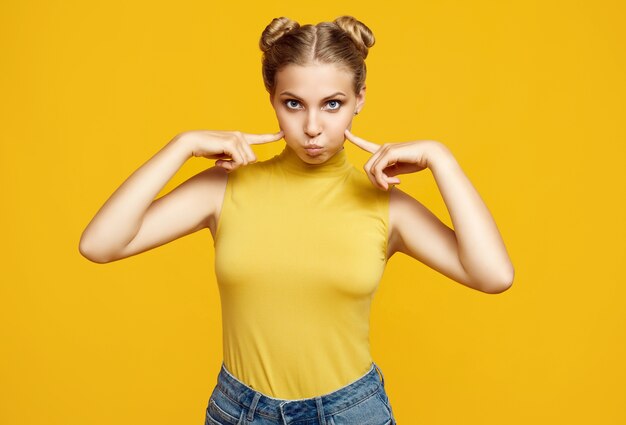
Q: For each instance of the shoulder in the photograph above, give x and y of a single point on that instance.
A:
(365, 187)
(399, 199)
(216, 179)
(412, 222)
(213, 176)
(361, 194)
(401, 205)
(212, 182)
(253, 170)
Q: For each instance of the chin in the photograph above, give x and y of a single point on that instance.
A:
(318, 159)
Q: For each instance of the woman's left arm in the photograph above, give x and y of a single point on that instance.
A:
(479, 246)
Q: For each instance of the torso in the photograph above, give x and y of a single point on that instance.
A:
(299, 253)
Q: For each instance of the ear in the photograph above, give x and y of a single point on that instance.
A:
(360, 100)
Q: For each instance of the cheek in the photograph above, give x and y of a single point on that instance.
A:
(337, 127)
(290, 126)
(344, 121)
(286, 122)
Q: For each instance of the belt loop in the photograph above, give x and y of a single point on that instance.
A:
(320, 410)
(282, 412)
(252, 408)
(382, 377)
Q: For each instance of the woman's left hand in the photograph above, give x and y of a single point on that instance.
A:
(390, 159)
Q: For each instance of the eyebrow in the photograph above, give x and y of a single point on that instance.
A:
(327, 97)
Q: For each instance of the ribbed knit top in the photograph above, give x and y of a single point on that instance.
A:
(299, 253)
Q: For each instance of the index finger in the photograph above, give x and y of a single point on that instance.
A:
(363, 144)
(255, 139)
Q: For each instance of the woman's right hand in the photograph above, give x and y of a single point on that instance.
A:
(230, 148)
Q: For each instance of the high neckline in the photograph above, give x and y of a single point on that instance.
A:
(335, 166)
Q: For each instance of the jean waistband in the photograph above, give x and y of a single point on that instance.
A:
(299, 409)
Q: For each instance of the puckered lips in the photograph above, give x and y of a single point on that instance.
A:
(313, 149)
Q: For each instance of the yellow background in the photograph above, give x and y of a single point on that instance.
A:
(528, 95)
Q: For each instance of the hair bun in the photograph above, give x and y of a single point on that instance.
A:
(275, 30)
(358, 32)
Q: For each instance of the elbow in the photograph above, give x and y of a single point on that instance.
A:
(87, 251)
(497, 289)
(497, 286)
(492, 282)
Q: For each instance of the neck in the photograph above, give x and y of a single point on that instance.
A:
(336, 165)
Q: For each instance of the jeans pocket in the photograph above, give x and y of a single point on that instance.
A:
(223, 411)
(369, 411)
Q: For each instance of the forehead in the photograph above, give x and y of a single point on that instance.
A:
(314, 80)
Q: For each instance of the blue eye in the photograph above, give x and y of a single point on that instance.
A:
(332, 105)
(336, 102)
(289, 104)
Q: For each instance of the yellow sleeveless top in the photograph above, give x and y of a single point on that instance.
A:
(299, 252)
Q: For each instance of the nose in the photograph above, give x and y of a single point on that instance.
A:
(313, 126)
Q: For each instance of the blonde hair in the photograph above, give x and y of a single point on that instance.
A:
(344, 42)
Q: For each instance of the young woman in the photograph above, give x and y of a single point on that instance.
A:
(302, 239)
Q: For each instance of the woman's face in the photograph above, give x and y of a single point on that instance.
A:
(314, 105)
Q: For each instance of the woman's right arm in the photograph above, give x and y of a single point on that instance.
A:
(131, 221)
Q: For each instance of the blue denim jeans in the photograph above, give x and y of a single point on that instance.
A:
(361, 402)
